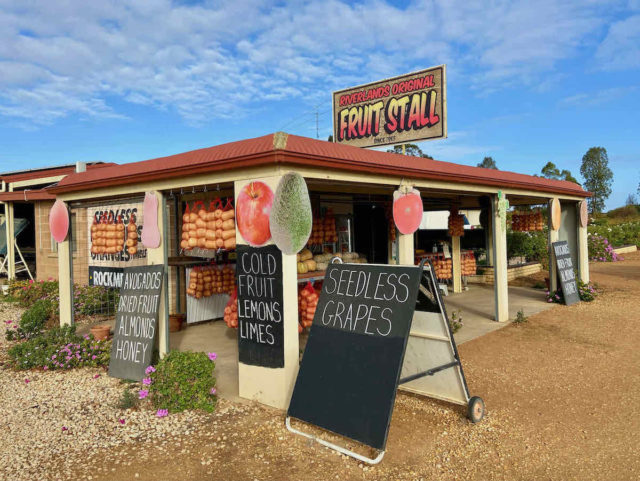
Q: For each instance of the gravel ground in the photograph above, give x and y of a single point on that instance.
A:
(48, 416)
(561, 392)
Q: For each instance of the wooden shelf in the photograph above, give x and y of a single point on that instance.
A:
(311, 276)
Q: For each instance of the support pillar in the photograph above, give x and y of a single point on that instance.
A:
(583, 255)
(489, 240)
(456, 260)
(406, 255)
(11, 241)
(554, 236)
(160, 255)
(501, 288)
(274, 386)
(65, 278)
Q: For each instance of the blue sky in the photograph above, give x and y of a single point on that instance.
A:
(528, 82)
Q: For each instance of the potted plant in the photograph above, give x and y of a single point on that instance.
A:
(175, 322)
(100, 332)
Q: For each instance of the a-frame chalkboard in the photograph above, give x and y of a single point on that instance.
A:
(354, 357)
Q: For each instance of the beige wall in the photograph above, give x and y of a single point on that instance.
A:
(46, 258)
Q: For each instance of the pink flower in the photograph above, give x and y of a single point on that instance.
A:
(162, 413)
(149, 370)
(26, 381)
(96, 376)
(212, 356)
(45, 368)
(64, 428)
(121, 421)
(213, 391)
(143, 393)
(146, 381)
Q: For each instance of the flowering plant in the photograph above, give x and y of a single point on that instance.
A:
(181, 380)
(587, 293)
(600, 250)
(60, 348)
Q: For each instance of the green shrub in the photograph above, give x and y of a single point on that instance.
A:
(60, 348)
(87, 300)
(182, 380)
(627, 233)
(530, 245)
(520, 317)
(455, 323)
(32, 322)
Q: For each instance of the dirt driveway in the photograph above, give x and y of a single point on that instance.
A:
(563, 399)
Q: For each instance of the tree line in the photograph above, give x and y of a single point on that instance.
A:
(595, 170)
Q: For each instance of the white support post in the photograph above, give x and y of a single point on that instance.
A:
(65, 278)
(406, 254)
(11, 241)
(274, 386)
(156, 256)
(489, 240)
(554, 236)
(583, 254)
(501, 287)
(456, 260)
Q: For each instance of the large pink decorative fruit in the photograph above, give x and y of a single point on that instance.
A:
(59, 221)
(407, 210)
(252, 213)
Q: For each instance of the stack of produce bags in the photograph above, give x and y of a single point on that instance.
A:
(212, 228)
(525, 222)
(204, 281)
(323, 229)
(456, 224)
(468, 264)
(307, 303)
(231, 311)
(107, 237)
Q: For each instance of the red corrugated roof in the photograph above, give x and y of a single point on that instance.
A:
(48, 172)
(306, 151)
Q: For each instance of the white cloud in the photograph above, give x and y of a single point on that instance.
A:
(211, 61)
(598, 97)
(620, 50)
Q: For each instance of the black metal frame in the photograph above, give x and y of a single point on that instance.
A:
(432, 371)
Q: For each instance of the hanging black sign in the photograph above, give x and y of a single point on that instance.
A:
(260, 306)
(566, 274)
(351, 366)
(110, 277)
(136, 322)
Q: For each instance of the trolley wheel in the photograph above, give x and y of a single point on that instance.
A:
(475, 409)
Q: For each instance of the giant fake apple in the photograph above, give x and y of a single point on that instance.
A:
(407, 210)
(252, 213)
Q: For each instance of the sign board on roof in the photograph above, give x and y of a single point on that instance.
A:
(398, 110)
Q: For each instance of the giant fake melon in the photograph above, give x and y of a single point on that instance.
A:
(291, 219)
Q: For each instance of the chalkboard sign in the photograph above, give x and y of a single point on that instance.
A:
(351, 366)
(110, 277)
(136, 322)
(260, 306)
(566, 273)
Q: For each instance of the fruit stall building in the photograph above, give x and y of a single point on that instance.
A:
(351, 191)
